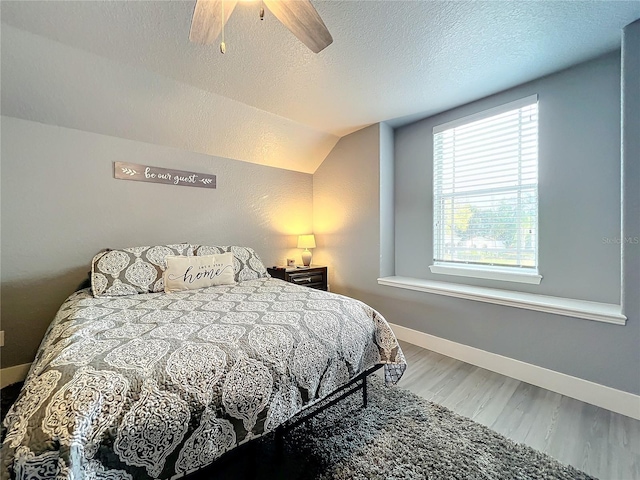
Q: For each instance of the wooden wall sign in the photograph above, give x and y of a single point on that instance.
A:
(144, 173)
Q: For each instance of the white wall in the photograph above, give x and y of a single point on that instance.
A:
(347, 209)
(61, 205)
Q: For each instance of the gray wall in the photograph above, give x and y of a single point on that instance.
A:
(346, 213)
(595, 351)
(631, 177)
(387, 207)
(61, 205)
(579, 184)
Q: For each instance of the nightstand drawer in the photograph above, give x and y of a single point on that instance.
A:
(314, 276)
(306, 278)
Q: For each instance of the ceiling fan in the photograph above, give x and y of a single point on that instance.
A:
(299, 16)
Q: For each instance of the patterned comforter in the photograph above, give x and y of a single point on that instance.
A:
(159, 385)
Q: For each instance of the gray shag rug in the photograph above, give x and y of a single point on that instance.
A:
(398, 436)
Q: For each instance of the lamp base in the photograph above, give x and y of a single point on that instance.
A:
(306, 258)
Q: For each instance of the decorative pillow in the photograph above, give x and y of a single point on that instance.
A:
(246, 262)
(132, 270)
(189, 273)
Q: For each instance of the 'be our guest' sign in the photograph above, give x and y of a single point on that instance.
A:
(144, 173)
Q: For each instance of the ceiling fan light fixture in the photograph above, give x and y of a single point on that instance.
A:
(223, 46)
(299, 16)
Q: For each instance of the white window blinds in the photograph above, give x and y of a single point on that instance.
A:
(486, 188)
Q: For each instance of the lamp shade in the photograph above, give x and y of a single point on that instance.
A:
(307, 241)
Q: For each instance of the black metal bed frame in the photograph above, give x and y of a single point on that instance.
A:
(228, 459)
(355, 384)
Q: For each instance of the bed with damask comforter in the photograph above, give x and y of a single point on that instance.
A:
(158, 385)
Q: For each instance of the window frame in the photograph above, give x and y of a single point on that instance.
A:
(517, 274)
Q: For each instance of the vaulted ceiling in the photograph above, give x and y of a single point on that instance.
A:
(127, 68)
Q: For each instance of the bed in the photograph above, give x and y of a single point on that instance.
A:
(133, 382)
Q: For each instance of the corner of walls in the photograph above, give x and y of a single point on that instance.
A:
(346, 212)
(600, 353)
(630, 197)
(387, 207)
(351, 192)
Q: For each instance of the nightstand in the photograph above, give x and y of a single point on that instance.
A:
(314, 276)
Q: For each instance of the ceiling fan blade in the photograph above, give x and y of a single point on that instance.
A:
(302, 19)
(207, 20)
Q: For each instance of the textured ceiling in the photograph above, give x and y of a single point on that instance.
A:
(389, 60)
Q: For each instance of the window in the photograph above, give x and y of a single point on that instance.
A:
(485, 202)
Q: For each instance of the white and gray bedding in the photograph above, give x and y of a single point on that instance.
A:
(158, 385)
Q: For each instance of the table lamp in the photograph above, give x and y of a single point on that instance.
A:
(306, 242)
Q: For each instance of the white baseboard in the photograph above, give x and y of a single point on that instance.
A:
(612, 399)
(14, 374)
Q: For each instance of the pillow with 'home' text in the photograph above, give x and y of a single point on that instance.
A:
(190, 273)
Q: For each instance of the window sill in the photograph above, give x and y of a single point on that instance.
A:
(600, 312)
(486, 273)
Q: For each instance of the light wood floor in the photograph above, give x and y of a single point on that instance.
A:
(599, 442)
